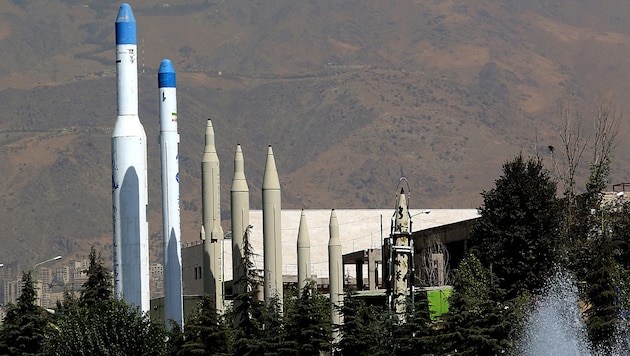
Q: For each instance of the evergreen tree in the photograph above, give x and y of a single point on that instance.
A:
(364, 331)
(602, 291)
(69, 301)
(248, 310)
(98, 286)
(206, 332)
(415, 335)
(307, 322)
(24, 327)
(175, 338)
(272, 335)
(476, 324)
(95, 324)
(517, 233)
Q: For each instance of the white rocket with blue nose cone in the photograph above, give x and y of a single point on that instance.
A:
(129, 173)
(169, 140)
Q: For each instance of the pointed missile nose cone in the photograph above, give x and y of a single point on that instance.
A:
(402, 200)
(202, 233)
(209, 148)
(125, 26)
(166, 75)
(303, 237)
(239, 183)
(270, 179)
(333, 227)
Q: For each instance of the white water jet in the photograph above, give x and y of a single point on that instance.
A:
(555, 325)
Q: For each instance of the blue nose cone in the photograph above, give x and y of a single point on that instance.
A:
(166, 75)
(125, 26)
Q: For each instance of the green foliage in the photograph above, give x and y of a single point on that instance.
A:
(364, 330)
(25, 324)
(175, 338)
(307, 322)
(110, 327)
(247, 301)
(476, 323)
(603, 281)
(517, 233)
(98, 287)
(69, 301)
(258, 325)
(206, 332)
(416, 334)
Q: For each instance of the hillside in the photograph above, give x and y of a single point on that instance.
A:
(351, 95)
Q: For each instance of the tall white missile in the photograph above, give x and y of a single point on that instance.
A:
(303, 254)
(335, 277)
(239, 200)
(129, 173)
(169, 140)
(401, 256)
(212, 233)
(272, 235)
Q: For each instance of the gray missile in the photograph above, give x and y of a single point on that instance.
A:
(239, 200)
(335, 277)
(272, 236)
(212, 233)
(303, 254)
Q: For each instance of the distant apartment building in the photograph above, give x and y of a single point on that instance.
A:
(63, 274)
(156, 280)
(12, 290)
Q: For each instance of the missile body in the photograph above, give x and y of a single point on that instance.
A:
(239, 200)
(402, 252)
(212, 233)
(169, 140)
(303, 254)
(272, 236)
(129, 173)
(335, 277)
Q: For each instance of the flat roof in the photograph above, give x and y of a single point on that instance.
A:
(359, 229)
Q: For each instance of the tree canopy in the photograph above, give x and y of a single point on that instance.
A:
(517, 233)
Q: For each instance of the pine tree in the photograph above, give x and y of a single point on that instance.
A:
(69, 302)
(602, 293)
(248, 309)
(476, 324)
(98, 286)
(24, 327)
(364, 330)
(206, 332)
(307, 323)
(415, 334)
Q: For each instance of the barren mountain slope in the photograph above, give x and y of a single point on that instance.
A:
(351, 95)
